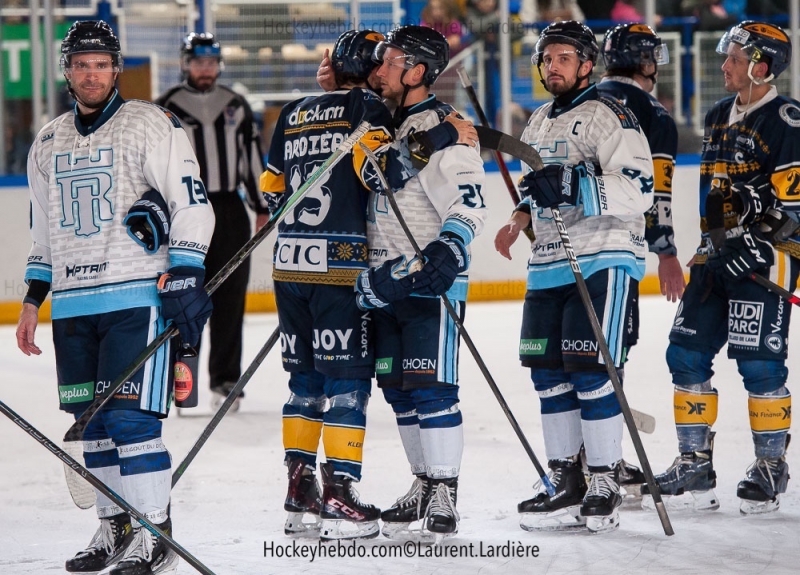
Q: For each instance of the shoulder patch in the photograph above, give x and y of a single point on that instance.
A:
(173, 118)
(625, 116)
(790, 114)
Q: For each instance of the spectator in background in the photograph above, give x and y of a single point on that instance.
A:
(483, 21)
(767, 7)
(444, 16)
(596, 9)
(550, 10)
(711, 14)
(627, 11)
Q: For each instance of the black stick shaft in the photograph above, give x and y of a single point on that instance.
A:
(88, 476)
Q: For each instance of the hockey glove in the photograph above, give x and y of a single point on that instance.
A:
(379, 286)
(752, 199)
(742, 255)
(184, 301)
(444, 258)
(554, 184)
(148, 221)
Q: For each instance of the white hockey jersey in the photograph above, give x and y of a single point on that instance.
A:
(607, 231)
(82, 183)
(446, 196)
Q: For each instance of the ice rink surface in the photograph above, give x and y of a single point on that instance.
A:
(227, 508)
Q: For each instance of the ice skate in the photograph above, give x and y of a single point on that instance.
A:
(303, 501)
(343, 515)
(561, 511)
(106, 546)
(220, 393)
(441, 517)
(631, 479)
(601, 503)
(687, 484)
(762, 486)
(404, 521)
(146, 554)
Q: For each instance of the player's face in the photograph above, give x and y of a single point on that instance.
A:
(203, 72)
(91, 76)
(734, 69)
(560, 67)
(390, 74)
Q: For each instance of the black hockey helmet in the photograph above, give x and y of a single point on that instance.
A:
(422, 45)
(90, 36)
(568, 32)
(761, 42)
(628, 46)
(352, 53)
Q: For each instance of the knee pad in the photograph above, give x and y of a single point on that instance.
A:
(353, 401)
(693, 406)
(437, 407)
(689, 366)
(137, 436)
(596, 396)
(770, 413)
(556, 394)
(762, 377)
(100, 453)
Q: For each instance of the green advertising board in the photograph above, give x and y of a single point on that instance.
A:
(16, 53)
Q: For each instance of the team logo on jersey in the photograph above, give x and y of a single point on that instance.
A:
(315, 114)
(790, 114)
(314, 207)
(85, 184)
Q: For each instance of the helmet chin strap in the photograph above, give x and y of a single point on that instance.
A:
(406, 89)
(757, 81)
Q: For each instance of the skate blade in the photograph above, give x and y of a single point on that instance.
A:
(750, 507)
(296, 527)
(168, 565)
(439, 538)
(566, 519)
(338, 529)
(414, 531)
(691, 501)
(602, 523)
(631, 496)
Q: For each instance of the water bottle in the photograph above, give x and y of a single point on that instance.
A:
(185, 379)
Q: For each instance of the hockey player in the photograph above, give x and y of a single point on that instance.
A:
(326, 339)
(751, 154)
(416, 345)
(101, 177)
(599, 173)
(222, 131)
(632, 54)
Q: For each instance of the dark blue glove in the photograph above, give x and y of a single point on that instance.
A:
(555, 184)
(752, 199)
(148, 221)
(742, 255)
(444, 258)
(185, 302)
(379, 286)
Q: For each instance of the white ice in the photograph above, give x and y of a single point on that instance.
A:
(227, 507)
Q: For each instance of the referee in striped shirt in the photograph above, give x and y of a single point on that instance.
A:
(220, 125)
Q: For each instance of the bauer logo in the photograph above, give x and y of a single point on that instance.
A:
(76, 393)
(532, 346)
(383, 366)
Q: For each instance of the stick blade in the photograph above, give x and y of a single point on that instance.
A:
(644, 422)
(82, 492)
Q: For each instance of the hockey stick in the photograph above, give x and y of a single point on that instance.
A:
(91, 478)
(73, 439)
(496, 140)
(531, 157)
(548, 485)
(498, 156)
(226, 405)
